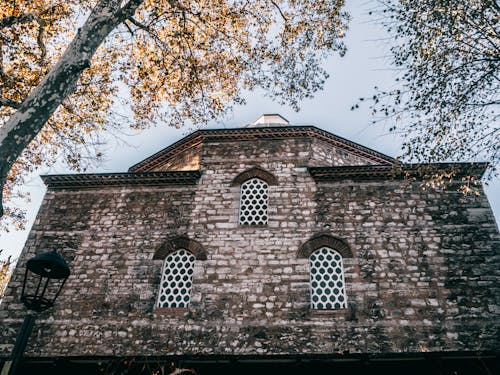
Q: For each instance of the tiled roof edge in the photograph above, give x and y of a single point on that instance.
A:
(63, 181)
(397, 172)
(258, 133)
(187, 142)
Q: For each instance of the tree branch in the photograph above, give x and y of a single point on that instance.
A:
(15, 20)
(39, 39)
(30, 117)
(127, 10)
(146, 29)
(128, 28)
(279, 10)
(140, 25)
(9, 103)
(27, 18)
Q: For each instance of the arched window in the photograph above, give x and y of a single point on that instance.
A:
(176, 279)
(254, 202)
(327, 280)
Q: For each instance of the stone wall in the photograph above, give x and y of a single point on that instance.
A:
(423, 276)
(323, 154)
(188, 160)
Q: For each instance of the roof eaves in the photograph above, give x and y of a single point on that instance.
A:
(397, 172)
(64, 181)
(354, 147)
(281, 132)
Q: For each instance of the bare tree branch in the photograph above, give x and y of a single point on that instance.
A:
(279, 10)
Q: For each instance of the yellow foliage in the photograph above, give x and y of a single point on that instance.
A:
(6, 270)
(174, 61)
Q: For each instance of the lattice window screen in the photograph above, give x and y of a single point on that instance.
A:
(253, 202)
(176, 280)
(327, 280)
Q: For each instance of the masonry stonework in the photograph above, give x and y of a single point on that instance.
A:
(423, 275)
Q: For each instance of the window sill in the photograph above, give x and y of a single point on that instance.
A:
(337, 312)
(170, 312)
(249, 226)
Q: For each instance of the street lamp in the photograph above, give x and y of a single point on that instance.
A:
(46, 268)
(44, 278)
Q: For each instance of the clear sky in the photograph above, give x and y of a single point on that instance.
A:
(351, 77)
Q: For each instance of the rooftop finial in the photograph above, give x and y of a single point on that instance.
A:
(268, 120)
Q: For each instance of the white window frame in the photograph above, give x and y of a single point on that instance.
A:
(254, 208)
(326, 280)
(176, 280)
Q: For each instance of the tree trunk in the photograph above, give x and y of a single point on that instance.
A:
(59, 83)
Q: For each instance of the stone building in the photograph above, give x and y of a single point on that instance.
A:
(269, 248)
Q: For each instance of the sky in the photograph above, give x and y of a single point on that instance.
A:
(351, 77)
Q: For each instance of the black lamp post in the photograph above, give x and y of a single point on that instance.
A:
(43, 281)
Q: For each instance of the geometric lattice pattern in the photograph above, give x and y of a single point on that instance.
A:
(327, 280)
(176, 279)
(253, 202)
